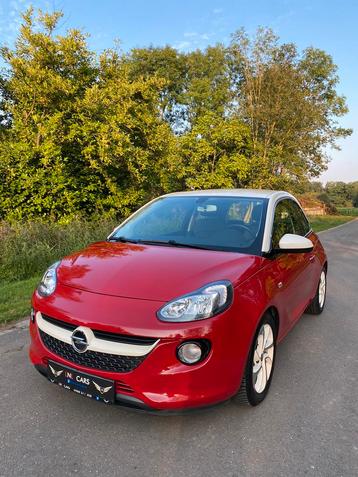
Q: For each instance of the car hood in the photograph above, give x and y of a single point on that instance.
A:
(151, 272)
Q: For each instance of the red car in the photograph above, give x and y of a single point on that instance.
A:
(183, 305)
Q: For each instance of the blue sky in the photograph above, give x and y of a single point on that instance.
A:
(328, 24)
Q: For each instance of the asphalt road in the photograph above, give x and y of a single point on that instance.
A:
(308, 425)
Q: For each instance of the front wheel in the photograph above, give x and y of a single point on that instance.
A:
(260, 364)
(317, 304)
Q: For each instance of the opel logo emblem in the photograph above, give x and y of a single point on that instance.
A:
(79, 340)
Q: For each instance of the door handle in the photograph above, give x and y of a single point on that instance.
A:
(312, 258)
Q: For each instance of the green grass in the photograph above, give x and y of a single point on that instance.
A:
(324, 222)
(28, 248)
(352, 211)
(15, 299)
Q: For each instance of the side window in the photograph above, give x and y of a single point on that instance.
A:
(282, 222)
(300, 222)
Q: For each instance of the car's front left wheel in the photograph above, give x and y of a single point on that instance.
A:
(260, 364)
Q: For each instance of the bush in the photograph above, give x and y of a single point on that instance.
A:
(27, 249)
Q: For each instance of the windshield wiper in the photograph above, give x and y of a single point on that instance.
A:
(173, 243)
(123, 239)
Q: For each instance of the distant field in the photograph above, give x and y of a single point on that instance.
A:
(352, 211)
(324, 222)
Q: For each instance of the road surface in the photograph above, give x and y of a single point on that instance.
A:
(307, 426)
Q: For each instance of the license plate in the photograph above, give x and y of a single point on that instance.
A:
(81, 383)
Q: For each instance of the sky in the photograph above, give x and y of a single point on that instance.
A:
(189, 24)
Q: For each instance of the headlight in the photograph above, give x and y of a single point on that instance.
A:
(203, 303)
(49, 281)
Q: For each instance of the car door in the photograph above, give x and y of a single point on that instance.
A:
(292, 270)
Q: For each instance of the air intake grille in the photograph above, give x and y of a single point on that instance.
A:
(123, 387)
(91, 359)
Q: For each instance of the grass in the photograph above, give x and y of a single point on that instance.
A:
(352, 211)
(28, 248)
(15, 299)
(324, 222)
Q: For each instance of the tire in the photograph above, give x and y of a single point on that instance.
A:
(317, 304)
(254, 389)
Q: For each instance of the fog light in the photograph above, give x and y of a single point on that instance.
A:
(190, 353)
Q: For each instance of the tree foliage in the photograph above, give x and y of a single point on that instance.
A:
(343, 194)
(82, 137)
(289, 101)
(84, 134)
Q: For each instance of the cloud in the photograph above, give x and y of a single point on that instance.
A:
(10, 19)
(193, 40)
(190, 34)
(183, 45)
(217, 11)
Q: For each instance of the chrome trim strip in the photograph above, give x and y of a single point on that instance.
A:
(95, 344)
(53, 330)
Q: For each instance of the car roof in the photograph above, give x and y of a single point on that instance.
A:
(252, 193)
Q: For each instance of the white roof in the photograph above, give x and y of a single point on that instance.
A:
(259, 193)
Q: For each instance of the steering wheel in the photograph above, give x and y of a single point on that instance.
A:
(244, 228)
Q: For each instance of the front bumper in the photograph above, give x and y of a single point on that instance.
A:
(133, 403)
(160, 382)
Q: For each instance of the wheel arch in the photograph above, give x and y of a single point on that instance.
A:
(273, 311)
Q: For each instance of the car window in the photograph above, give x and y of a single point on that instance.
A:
(288, 219)
(282, 223)
(300, 223)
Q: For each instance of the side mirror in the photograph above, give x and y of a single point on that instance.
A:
(292, 243)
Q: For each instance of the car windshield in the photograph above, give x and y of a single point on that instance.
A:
(217, 223)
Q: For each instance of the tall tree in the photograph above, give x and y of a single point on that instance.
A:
(215, 153)
(81, 136)
(289, 102)
(47, 75)
(208, 84)
(169, 65)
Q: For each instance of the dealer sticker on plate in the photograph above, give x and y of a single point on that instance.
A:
(81, 383)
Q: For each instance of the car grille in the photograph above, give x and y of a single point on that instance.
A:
(91, 359)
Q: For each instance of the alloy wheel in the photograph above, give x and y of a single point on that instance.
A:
(263, 358)
(322, 289)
